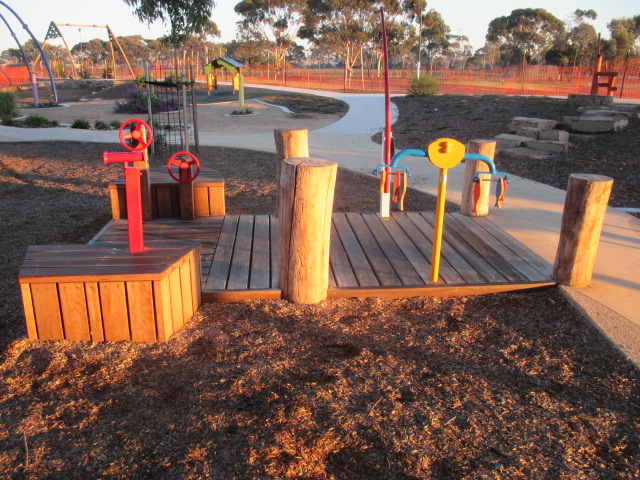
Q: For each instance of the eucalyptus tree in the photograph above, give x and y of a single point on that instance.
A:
(582, 37)
(435, 33)
(625, 32)
(276, 22)
(529, 32)
(344, 27)
(184, 16)
(415, 11)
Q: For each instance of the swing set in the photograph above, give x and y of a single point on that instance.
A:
(54, 32)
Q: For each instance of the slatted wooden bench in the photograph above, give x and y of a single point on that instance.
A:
(165, 199)
(101, 292)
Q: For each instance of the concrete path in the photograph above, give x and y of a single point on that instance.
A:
(532, 212)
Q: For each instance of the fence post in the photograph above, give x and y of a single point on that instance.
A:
(582, 219)
(469, 204)
(304, 219)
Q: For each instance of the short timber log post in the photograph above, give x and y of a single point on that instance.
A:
(289, 144)
(582, 219)
(304, 217)
(469, 206)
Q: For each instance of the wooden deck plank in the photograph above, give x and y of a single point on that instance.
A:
(506, 251)
(343, 275)
(358, 260)
(448, 253)
(275, 253)
(532, 258)
(241, 260)
(219, 272)
(486, 250)
(479, 264)
(401, 266)
(423, 245)
(260, 275)
(376, 257)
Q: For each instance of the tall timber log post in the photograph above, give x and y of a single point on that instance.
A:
(470, 206)
(582, 219)
(304, 216)
(289, 144)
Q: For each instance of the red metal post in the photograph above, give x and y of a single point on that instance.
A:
(134, 208)
(133, 192)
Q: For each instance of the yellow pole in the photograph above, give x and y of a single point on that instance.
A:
(439, 226)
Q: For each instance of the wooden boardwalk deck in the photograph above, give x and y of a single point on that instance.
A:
(370, 256)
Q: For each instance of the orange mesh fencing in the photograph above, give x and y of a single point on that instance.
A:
(539, 80)
(12, 75)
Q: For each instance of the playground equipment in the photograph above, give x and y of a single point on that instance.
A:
(32, 75)
(185, 174)
(444, 153)
(141, 140)
(387, 139)
(234, 67)
(54, 32)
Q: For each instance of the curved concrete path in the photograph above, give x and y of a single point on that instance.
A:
(532, 212)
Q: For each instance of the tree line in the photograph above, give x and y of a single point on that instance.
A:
(347, 34)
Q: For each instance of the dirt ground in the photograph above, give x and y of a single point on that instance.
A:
(510, 386)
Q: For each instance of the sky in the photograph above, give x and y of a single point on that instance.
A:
(464, 17)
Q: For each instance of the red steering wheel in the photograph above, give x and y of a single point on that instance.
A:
(184, 167)
(136, 134)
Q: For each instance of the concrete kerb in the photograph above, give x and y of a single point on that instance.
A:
(532, 212)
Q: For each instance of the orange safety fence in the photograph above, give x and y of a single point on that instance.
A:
(539, 80)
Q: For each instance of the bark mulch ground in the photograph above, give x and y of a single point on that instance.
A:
(510, 386)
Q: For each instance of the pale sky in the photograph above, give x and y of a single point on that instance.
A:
(464, 17)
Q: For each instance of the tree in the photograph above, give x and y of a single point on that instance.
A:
(415, 11)
(582, 39)
(458, 51)
(344, 27)
(435, 34)
(528, 31)
(184, 16)
(624, 34)
(276, 22)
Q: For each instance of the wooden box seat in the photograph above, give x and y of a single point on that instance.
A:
(102, 292)
(165, 197)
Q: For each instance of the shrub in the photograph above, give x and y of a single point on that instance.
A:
(424, 86)
(8, 105)
(100, 125)
(242, 111)
(140, 81)
(8, 122)
(38, 121)
(81, 123)
(114, 124)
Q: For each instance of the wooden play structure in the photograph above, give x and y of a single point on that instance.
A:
(104, 291)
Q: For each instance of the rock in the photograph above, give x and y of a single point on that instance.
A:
(526, 152)
(578, 100)
(547, 145)
(506, 140)
(531, 132)
(541, 123)
(595, 124)
(555, 135)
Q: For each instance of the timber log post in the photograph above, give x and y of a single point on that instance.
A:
(582, 219)
(305, 205)
(290, 143)
(468, 205)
